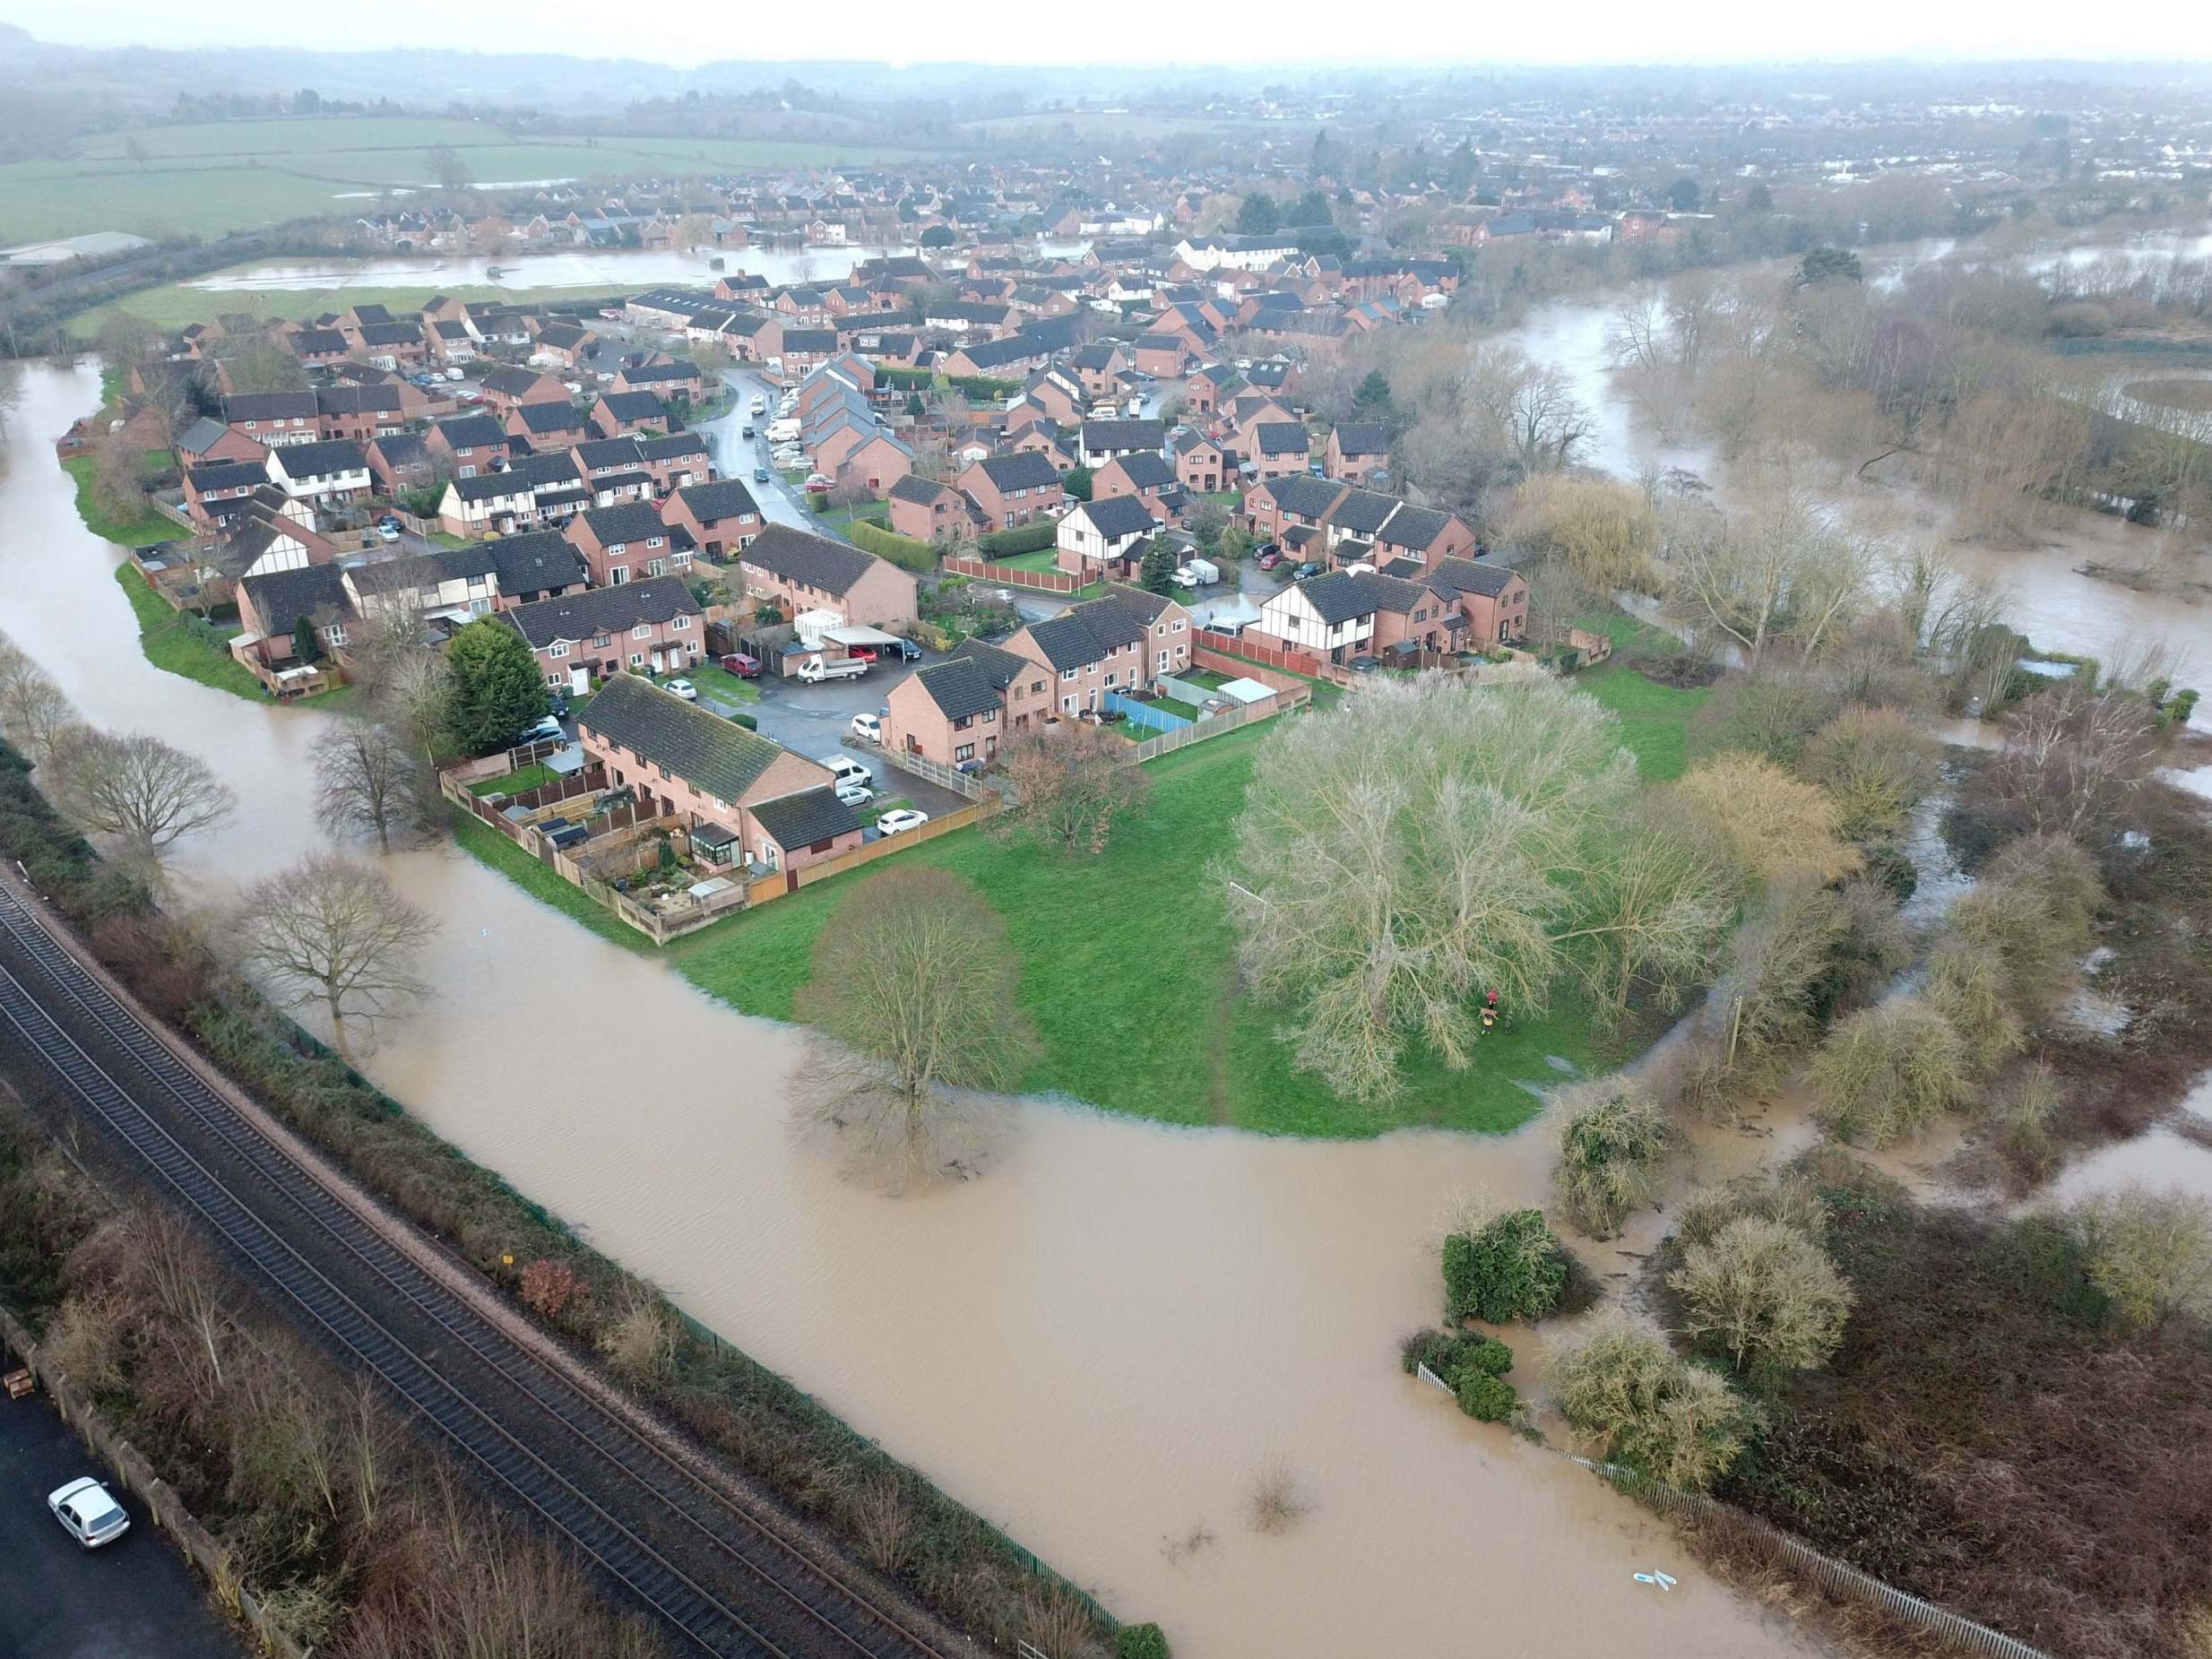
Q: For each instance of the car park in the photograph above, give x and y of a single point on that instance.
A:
(868, 726)
(905, 818)
(683, 688)
(87, 1513)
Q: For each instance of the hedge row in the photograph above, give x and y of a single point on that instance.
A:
(913, 379)
(1033, 537)
(903, 552)
(982, 388)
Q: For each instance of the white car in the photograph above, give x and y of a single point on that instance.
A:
(868, 726)
(88, 1514)
(855, 794)
(905, 818)
(684, 689)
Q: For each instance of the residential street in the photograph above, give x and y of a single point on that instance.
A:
(132, 1599)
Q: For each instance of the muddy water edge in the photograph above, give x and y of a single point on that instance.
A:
(1099, 1344)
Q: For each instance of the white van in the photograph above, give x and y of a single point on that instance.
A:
(782, 431)
(845, 771)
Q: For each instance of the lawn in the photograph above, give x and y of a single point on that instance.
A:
(487, 845)
(1653, 718)
(514, 783)
(182, 644)
(709, 676)
(1139, 1005)
(174, 306)
(141, 531)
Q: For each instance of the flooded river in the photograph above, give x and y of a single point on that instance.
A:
(1099, 1344)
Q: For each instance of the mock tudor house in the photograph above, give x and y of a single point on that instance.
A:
(327, 474)
(650, 626)
(1101, 538)
(712, 774)
(802, 572)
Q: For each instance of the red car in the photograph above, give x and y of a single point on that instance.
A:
(861, 653)
(1269, 560)
(744, 666)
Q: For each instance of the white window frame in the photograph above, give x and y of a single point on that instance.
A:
(559, 648)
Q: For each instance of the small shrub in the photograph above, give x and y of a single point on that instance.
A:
(549, 1287)
(1968, 988)
(1877, 765)
(1452, 1355)
(1140, 1641)
(1278, 1501)
(1792, 1200)
(1512, 1268)
(1674, 1422)
(1891, 868)
(1487, 1399)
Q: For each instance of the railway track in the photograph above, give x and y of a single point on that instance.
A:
(720, 1576)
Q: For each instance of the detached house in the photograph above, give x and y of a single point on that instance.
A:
(958, 711)
(802, 573)
(630, 414)
(1149, 479)
(507, 388)
(1009, 488)
(1102, 537)
(1278, 448)
(928, 511)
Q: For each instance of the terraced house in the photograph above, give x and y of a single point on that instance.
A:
(627, 543)
(1121, 641)
(713, 775)
(802, 573)
(653, 626)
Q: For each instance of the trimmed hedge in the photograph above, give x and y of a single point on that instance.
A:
(1033, 537)
(1140, 1641)
(903, 552)
(982, 388)
(913, 380)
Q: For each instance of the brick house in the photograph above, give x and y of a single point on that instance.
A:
(328, 473)
(508, 387)
(1356, 453)
(957, 713)
(721, 518)
(872, 461)
(271, 606)
(1121, 641)
(398, 461)
(680, 459)
(630, 414)
(1149, 479)
(928, 511)
(801, 573)
(1044, 437)
(670, 380)
(206, 440)
(1099, 367)
(1493, 599)
(654, 625)
(803, 828)
(274, 417)
(627, 543)
(466, 445)
(1274, 507)
(208, 488)
(1202, 465)
(1163, 357)
(693, 764)
(1103, 440)
(546, 426)
(1006, 489)
(1279, 448)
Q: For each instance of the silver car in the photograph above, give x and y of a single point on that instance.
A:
(88, 1514)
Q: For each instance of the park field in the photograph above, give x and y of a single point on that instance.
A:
(1139, 1005)
(217, 176)
(175, 305)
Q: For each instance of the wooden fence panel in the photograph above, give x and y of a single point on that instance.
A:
(1013, 576)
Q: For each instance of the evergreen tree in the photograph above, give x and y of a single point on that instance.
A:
(498, 688)
(1257, 215)
(304, 646)
(1157, 573)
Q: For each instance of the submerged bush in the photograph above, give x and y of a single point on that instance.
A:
(1887, 1073)
(1509, 1268)
(1140, 1641)
(1766, 1294)
(1610, 1149)
(1623, 1389)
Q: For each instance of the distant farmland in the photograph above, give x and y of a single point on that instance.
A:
(224, 175)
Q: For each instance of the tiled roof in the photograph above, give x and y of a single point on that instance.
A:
(723, 499)
(813, 561)
(802, 819)
(960, 686)
(1118, 516)
(713, 754)
(1467, 576)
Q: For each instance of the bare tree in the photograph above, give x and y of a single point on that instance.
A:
(2073, 762)
(332, 932)
(368, 778)
(929, 1006)
(33, 710)
(1776, 570)
(1527, 410)
(1071, 783)
(135, 789)
(403, 678)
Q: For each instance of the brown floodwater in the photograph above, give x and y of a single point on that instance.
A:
(1099, 1344)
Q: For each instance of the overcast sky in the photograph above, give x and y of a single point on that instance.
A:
(1428, 31)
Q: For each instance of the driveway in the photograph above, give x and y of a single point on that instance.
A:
(132, 1599)
(813, 719)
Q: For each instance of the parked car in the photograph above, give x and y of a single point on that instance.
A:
(843, 770)
(819, 483)
(904, 651)
(744, 666)
(684, 689)
(1306, 569)
(556, 706)
(387, 531)
(455, 373)
(760, 407)
(87, 1513)
(547, 730)
(855, 794)
(760, 475)
(868, 726)
(865, 653)
(1269, 554)
(905, 818)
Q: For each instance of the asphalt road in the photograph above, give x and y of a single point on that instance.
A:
(132, 1599)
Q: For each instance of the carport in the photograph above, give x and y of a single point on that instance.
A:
(854, 634)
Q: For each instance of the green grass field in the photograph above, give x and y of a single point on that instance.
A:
(173, 643)
(514, 783)
(141, 531)
(208, 178)
(173, 306)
